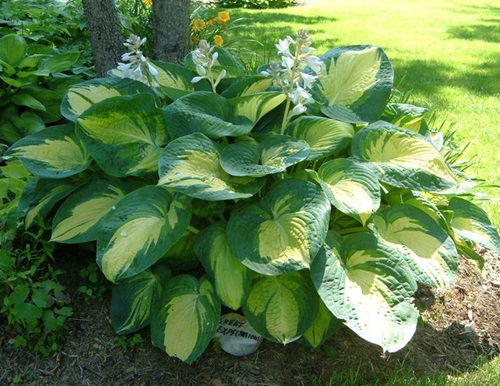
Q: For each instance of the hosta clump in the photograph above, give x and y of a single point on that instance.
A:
(200, 200)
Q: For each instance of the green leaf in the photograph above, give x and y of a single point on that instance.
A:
(351, 186)
(190, 165)
(29, 122)
(77, 219)
(40, 196)
(281, 308)
(12, 49)
(355, 84)
(133, 299)
(50, 99)
(362, 281)
(216, 116)
(175, 80)
(57, 63)
(272, 155)
(135, 235)
(54, 152)
(22, 99)
(322, 327)
(124, 134)
(325, 136)
(471, 223)
(284, 231)
(81, 96)
(247, 85)
(186, 318)
(231, 278)
(428, 249)
(403, 158)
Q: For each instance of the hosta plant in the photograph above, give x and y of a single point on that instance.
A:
(301, 196)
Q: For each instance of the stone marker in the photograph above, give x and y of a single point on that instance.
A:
(236, 336)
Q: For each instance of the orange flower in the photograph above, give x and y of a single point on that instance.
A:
(218, 40)
(198, 24)
(224, 17)
(211, 21)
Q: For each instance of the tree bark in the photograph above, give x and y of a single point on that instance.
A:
(171, 21)
(105, 33)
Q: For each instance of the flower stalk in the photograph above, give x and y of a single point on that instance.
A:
(205, 59)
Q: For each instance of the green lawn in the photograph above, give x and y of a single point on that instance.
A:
(446, 51)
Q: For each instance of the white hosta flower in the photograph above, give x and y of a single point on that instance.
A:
(307, 79)
(314, 63)
(287, 62)
(297, 110)
(138, 66)
(205, 59)
(283, 46)
(299, 94)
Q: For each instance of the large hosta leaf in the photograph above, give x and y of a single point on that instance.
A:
(363, 282)
(124, 134)
(190, 165)
(12, 49)
(403, 158)
(323, 326)
(186, 318)
(284, 231)
(83, 95)
(175, 80)
(54, 152)
(430, 251)
(216, 116)
(138, 232)
(351, 186)
(246, 85)
(133, 299)
(356, 83)
(281, 308)
(77, 219)
(471, 223)
(231, 278)
(272, 155)
(325, 136)
(40, 196)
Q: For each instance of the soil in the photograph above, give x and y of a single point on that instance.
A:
(460, 327)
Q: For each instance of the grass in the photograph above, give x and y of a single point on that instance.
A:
(446, 51)
(486, 373)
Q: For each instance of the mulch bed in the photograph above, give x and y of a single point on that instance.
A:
(462, 325)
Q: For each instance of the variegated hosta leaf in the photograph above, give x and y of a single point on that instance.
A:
(351, 186)
(190, 165)
(54, 152)
(284, 231)
(247, 85)
(325, 136)
(428, 249)
(124, 134)
(186, 318)
(216, 116)
(272, 155)
(409, 197)
(231, 278)
(322, 327)
(362, 281)
(133, 299)
(138, 232)
(40, 196)
(77, 219)
(355, 84)
(405, 115)
(471, 223)
(281, 308)
(175, 80)
(403, 158)
(81, 96)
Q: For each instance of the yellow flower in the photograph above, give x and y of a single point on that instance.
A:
(218, 40)
(198, 24)
(211, 21)
(224, 17)
(147, 3)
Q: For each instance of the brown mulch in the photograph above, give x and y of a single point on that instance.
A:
(461, 326)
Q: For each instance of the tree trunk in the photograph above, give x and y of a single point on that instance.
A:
(171, 29)
(105, 33)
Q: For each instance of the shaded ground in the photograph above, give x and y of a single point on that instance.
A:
(461, 328)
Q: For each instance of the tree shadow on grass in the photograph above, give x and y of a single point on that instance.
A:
(485, 32)
(429, 76)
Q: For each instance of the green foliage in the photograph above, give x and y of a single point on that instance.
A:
(31, 87)
(336, 215)
(260, 4)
